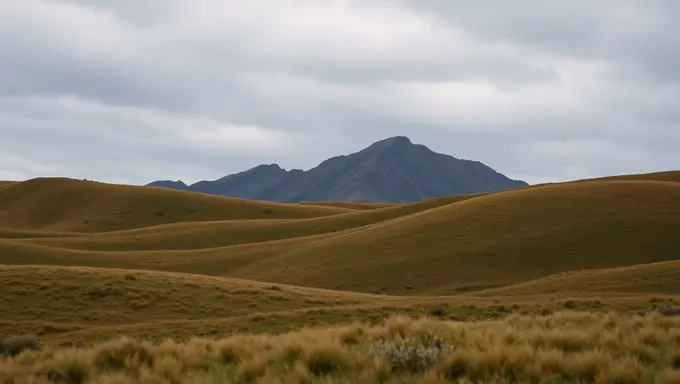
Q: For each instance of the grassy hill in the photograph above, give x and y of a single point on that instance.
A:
(654, 278)
(202, 235)
(653, 176)
(87, 262)
(62, 299)
(63, 304)
(493, 240)
(441, 246)
(83, 304)
(82, 206)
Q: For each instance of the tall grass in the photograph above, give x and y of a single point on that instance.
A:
(563, 347)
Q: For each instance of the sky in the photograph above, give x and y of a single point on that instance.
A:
(131, 91)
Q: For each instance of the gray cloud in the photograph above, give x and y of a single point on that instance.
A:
(132, 92)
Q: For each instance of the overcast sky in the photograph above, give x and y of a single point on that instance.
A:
(132, 91)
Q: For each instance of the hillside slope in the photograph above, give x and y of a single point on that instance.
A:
(66, 299)
(652, 278)
(58, 204)
(202, 235)
(493, 240)
(393, 170)
(442, 246)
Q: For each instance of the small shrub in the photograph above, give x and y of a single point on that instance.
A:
(670, 311)
(14, 345)
(410, 355)
(100, 292)
(438, 312)
(546, 311)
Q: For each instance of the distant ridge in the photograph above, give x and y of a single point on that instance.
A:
(393, 170)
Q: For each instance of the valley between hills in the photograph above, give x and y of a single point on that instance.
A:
(87, 262)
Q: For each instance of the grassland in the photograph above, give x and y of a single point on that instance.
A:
(565, 347)
(438, 247)
(68, 205)
(86, 262)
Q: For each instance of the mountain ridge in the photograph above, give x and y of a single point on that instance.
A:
(392, 170)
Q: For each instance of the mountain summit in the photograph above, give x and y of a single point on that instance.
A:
(393, 170)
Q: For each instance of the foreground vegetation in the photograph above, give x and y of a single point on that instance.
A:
(566, 347)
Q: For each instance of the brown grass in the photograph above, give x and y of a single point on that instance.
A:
(69, 205)
(566, 347)
(448, 246)
(79, 304)
(491, 240)
(594, 246)
(661, 278)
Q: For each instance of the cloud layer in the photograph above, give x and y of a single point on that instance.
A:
(131, 91)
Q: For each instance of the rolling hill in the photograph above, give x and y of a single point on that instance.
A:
(442, 246)
(492, 240)
(661, 278)
(393, 170)
(55, 204)
(211, 266)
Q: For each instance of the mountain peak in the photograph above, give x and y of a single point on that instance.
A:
(390, 142)
(396, 140)
(399, 139)
(392, 170)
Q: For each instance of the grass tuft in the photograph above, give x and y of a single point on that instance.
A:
(15, 345)
(326, 359)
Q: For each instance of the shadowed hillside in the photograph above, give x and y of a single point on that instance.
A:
(82, 206)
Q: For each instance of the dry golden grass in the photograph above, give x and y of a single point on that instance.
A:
(441, 246)
(654, 278)
(89, 304)
(54, 300)
(566, 347)
(596, 246)
(654, 176)
(201, 235)
(54, 204)
(489, 241)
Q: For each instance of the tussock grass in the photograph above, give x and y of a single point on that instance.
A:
(566, 347)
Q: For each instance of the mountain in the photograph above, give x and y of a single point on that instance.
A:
(393, 170)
